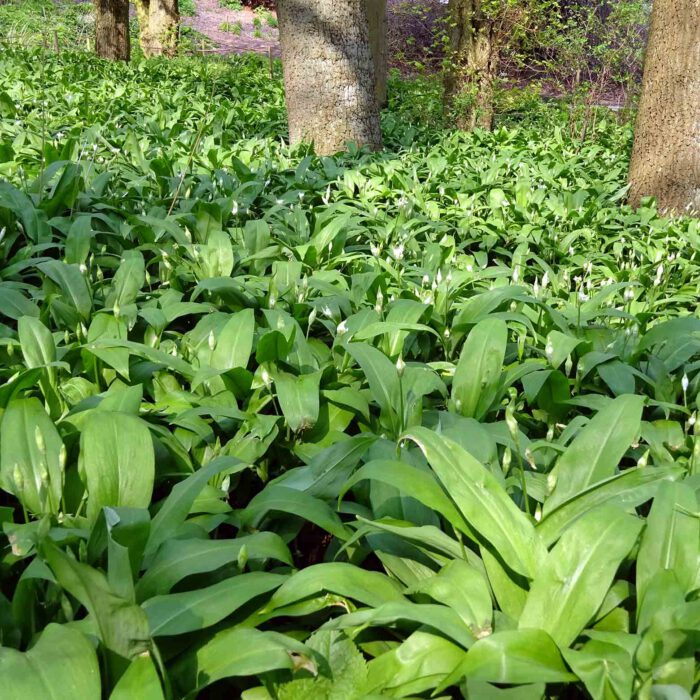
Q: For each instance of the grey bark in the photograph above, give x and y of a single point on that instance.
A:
(328, 74)
(666, 154)
(112, 29)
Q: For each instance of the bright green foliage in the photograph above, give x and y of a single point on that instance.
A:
(384, 424)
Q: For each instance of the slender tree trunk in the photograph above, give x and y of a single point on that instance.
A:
(666, 154)
(159, 21)
(328, 74)
(376, 16)
(112, 29)
(472, 65)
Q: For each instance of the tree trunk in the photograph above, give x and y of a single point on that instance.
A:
(666, 154)
(376, 16)
(328, 74)
(159, 21)
(142, 12)
(112, 29)
(163, 23)
(472, 66)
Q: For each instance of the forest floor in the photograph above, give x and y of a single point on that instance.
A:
(245, 37)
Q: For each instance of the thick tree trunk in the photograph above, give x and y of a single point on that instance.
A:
(159, 21)
(142, 12)
(376, 16)
(328, 74)
(164, 20)
(112, 29)
(666, 154)
(472, 66)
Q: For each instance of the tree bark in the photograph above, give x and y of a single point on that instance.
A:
(472, 65)
(112, 29)
(666, 154)
(328, 74)
(159, 21)
(376, 17)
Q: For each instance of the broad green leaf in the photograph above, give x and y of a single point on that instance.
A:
(117, 459)
(14, 304)
(232, 652)
(62, 665)
(139, 680)
(606, 669)
(348, 671)
(234, 342)
(597, 450)
(38, 347)
(438, 617)
(176, 507)
(179, 613)
(671, 538)
(381, 376)
(576, 575)
(465, 590)
(420, 663)
(122, 626)
(368, 587)
(72, 283)
(483, 502)
(177, 559)
(127, 282)
(31, 456)
(299, 398)
(419, 484)
(478, 372)
(278, 498)
(513, 656)
(628, 489)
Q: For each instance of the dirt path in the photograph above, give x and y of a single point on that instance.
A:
(210, 17)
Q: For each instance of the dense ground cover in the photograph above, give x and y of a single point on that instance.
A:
(380, 424)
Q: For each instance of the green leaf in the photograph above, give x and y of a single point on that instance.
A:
(671, 538)
(31, 462)
(597, 450)
(299, 398)
(347, 667)
(122, 626)
(368, 587)
(465, 590)
(176, 507)
(513, 656)
(38, 347)
(629, 489)
(232, 652)
(381, 376)
(438, 617)
(281, 499)
(179, 613)
(117, 459)
(72, 283)
(177, 559)
(477, 375)
(606, 669)
(234, 342)
(483, 502)
(139, 680)
(62, 665)
(127, 281)
(577, 573)
(420, 663)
